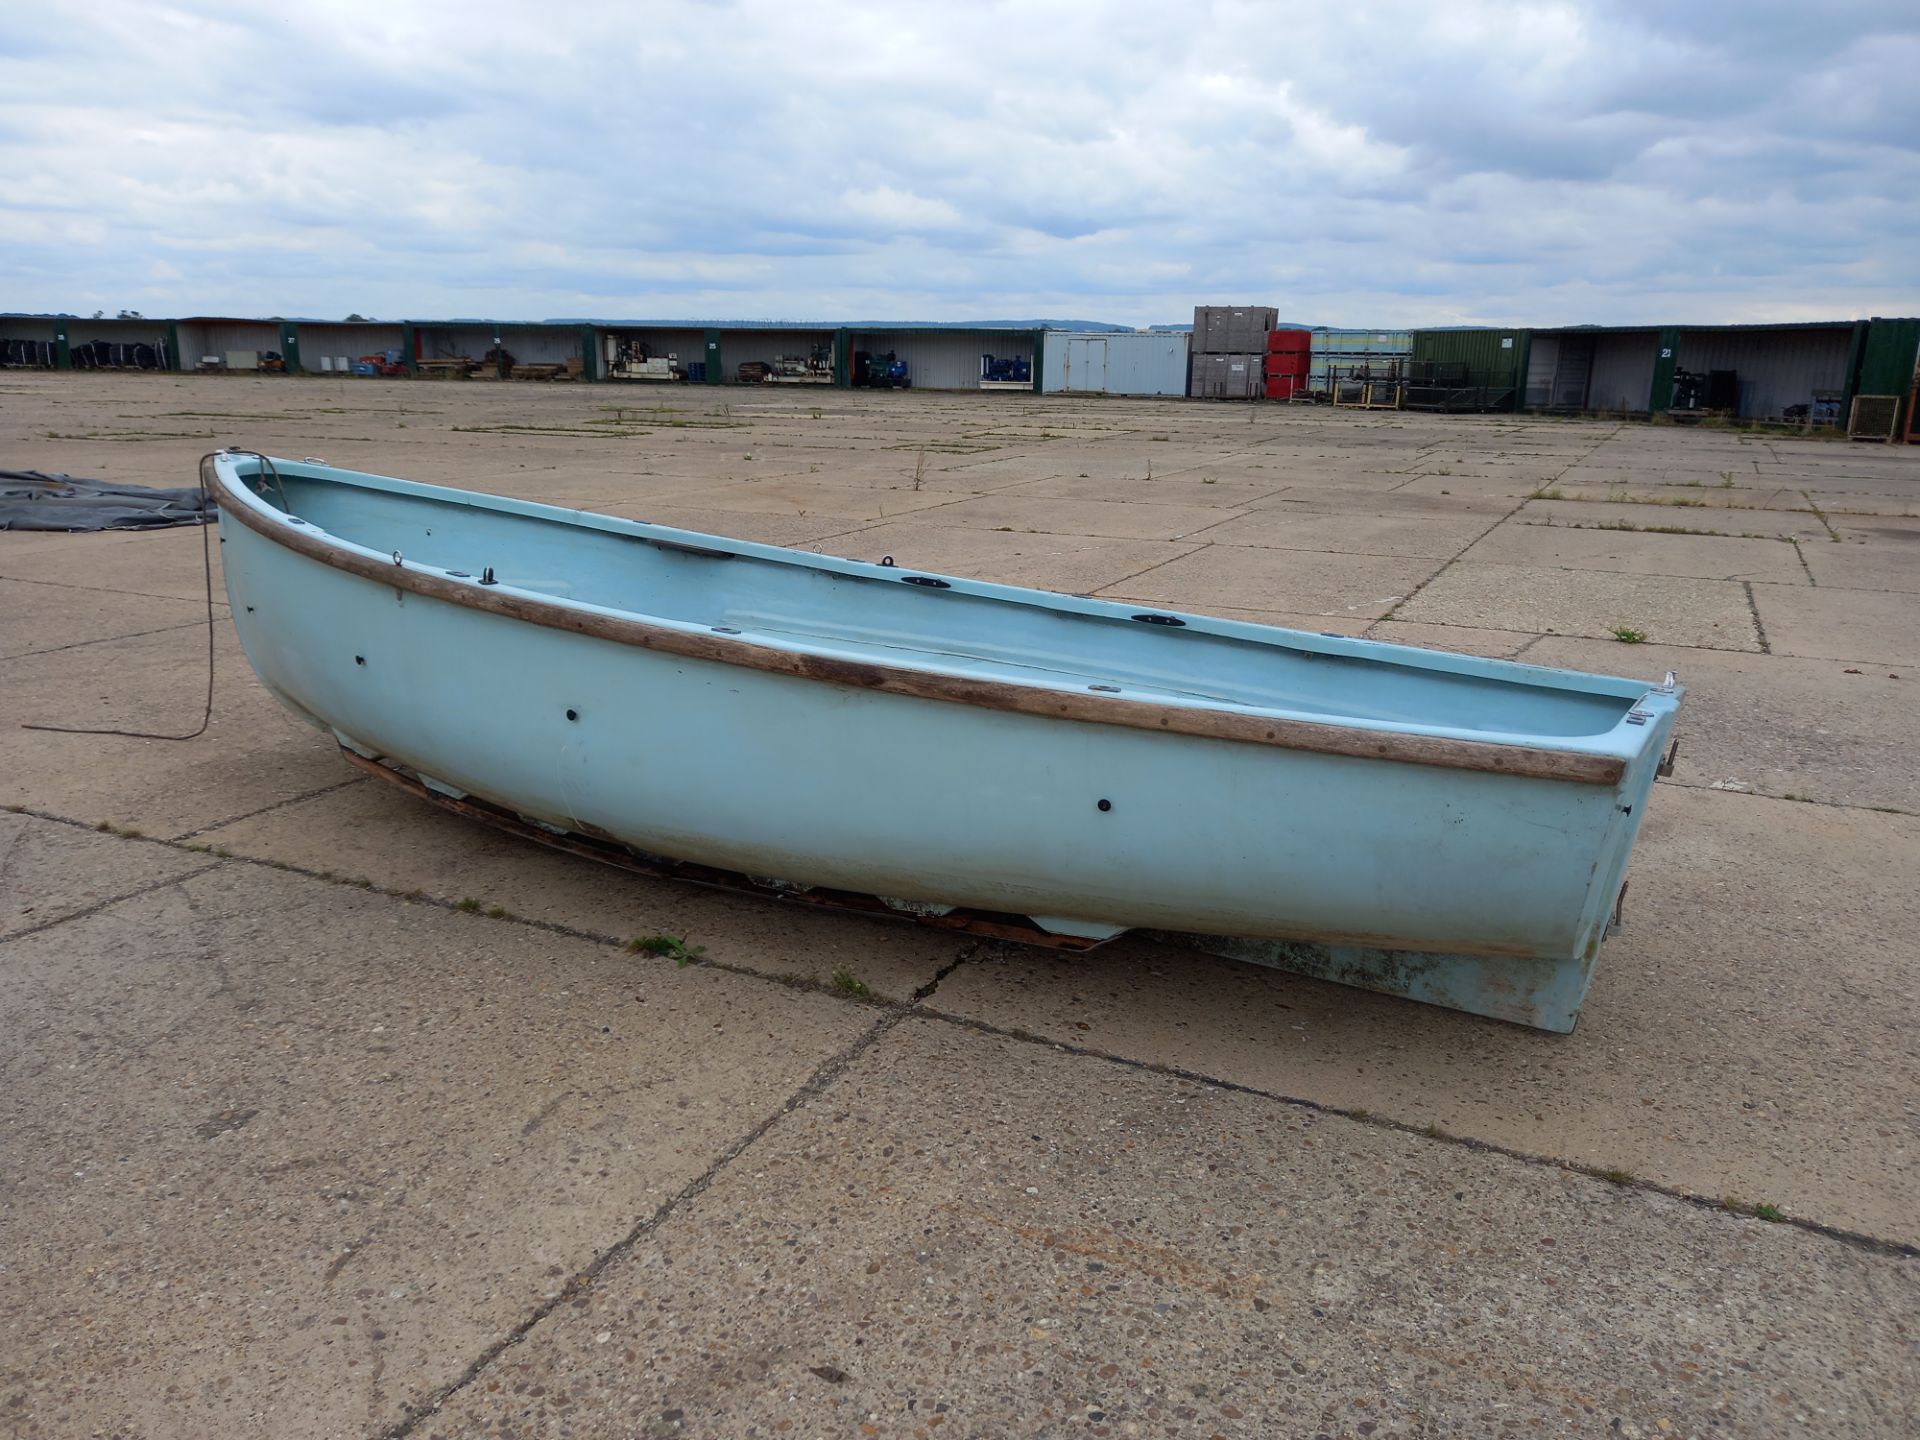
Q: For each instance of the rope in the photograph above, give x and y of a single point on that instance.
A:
(206, 716)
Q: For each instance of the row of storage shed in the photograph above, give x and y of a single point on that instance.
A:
(1799, 374)
(934, 357)
(1113, 362)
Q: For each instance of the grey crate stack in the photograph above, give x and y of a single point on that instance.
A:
(1230, 351)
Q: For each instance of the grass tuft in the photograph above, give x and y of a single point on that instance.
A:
(671, 946)
(845, 982)
(1627, 635)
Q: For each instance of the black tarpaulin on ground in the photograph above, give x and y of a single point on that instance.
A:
(33, 500)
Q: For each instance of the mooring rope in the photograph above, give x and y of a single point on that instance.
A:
(207, 514)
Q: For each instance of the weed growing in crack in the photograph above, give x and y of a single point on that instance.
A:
(845, 982)
(670, 946)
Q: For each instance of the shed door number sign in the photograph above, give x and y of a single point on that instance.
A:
(1666, 352)
(1506, 342)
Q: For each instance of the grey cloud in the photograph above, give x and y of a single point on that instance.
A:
(1598, 162)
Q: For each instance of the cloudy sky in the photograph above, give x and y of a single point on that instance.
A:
(1373, 164)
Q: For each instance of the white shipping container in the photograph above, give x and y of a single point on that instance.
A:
(1114, 362)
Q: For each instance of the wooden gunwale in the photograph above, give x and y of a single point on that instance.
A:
(1355, 742)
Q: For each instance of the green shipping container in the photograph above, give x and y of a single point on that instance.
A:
(1888, 360)
(1888, 363)
(1496, 359)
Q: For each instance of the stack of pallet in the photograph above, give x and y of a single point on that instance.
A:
(1229, 351)
(1289, 357)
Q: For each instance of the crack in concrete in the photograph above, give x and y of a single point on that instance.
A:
(1788, 799)
(1445, 566)
(1759, 625)
(94, 909)
(823, 1076)
(114, 590)
(199, 624)
(552, 927)
(269, 809)
(1412, 594)
(1820, 515)
(1872, 1244)
(1101, 593)
(967, 952)
(1801, 555)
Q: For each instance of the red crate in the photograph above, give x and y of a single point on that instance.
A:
(1280, 387)
(1285, 342)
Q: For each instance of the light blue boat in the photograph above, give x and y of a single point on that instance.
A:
(1009, 761)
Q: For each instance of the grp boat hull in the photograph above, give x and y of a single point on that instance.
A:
(796, 756)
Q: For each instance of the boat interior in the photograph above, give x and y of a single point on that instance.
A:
(903, 617)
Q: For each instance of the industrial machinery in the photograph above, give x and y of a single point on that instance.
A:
(814, 368)
(635, 360)
(880, 372)
(1717, 392)
(1000, 372)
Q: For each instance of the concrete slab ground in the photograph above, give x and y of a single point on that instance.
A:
(1676, 610)
(292, 1145)
(40, 616)
(1870, 624)
(51, 872)
(1712, 557)
(1297, 581)
(1749, 521)
(1051, 1244)
(255, 753)
(338, 1144)
(1888, 563)
(1283, 527)
(115, 563)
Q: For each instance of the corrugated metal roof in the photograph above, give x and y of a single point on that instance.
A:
(1651, 326)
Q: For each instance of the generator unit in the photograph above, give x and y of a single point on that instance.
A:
(813, 368)
(880, 372)
(634, 360)
(999, 372)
